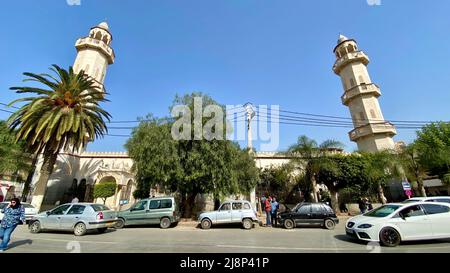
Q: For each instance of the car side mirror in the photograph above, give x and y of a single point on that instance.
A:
(48, 213)
(402, 216)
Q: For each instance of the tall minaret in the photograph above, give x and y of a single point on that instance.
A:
(372, 133)
(95, 53)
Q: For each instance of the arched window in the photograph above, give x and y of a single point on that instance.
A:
(351, 48)
(98, 36)
(372, 113)
(352, 82)
(105, 39)
(361, 80)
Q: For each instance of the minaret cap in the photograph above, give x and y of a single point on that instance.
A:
(103, 25)
(341, 39)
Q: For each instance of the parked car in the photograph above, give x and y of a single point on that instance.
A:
(161, 210)
(445, 199)
(309, 214)
(30, 211)
(79, 218)
(230, 212)
(391, 224)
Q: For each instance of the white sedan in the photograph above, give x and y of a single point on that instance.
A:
(393, 223)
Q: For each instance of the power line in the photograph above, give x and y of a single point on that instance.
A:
(4, 104)
(7, 111)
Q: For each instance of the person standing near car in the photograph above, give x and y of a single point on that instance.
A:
(362, 205)
(14, 215)
(274, 212)
(268, 209)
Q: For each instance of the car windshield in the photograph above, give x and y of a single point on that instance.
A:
(382, 211)
(98, 207)
(2, 205)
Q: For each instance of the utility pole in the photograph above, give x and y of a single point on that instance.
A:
(251, 113)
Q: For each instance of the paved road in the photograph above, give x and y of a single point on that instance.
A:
(193, 240)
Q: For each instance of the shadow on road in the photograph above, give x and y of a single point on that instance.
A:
(345, 238)
(19, 243)
(68, 232)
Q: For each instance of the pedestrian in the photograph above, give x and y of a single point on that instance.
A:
(362, 205)
(369, 205)
(13, 215)
(268, 209)
(75, 200)
(343, 207)
(274, 212)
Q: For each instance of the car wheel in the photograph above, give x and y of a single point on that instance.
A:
(289, 224)
(35, 227)
(247, 223)
(80, 229)
(389, 237)
(329, 224)
(120, 223)
(206, 224)
(102, 230)
(165, 223)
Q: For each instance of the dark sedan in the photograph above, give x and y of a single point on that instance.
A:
(309, 214)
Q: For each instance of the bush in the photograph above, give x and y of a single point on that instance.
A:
(104, 190)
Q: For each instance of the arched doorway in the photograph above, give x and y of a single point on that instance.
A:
(81, 190)
(126, 191)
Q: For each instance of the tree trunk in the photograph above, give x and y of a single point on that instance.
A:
(421, 187)
(189, 205)
(381, 196)
(41, 186)
(334, 196)
(27, 185)
(314, 189)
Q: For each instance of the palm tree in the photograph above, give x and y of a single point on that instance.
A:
(312, 156)
(63, 115)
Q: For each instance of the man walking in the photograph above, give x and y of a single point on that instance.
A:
(14, 215)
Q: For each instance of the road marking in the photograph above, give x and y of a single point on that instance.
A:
(320, 249)
(65, 241)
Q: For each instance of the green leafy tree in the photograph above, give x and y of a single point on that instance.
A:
(414, 170)
(189, 167)
(312, 156)
(278, 181)
(13, 156)
(104, 190)
(63, 114)
(433, 145)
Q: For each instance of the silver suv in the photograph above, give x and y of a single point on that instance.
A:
(230, 212)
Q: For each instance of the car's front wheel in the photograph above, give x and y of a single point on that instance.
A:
(35, 227)
(206, 224)
(389, 237)
(247, 223)
(80, 229)
(329, 224)
(288, 224)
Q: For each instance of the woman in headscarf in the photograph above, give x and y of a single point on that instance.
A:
(14, 215)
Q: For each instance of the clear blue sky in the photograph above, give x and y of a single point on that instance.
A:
(265, 52)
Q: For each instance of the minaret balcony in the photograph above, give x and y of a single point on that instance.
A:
(349, 58)
(96, 44)
(373, 129)
(360, 90)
